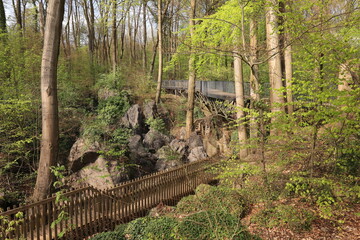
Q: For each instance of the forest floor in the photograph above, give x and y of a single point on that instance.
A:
(321, 229)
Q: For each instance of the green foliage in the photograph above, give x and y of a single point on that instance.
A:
(212, 225)
(157, 124)
(7, 226)
(112, 108)
(316, 190)
(109, 236)
(285, 216)
(135, 230)
(160, 228)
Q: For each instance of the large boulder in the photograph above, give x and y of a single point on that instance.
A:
(167, 159)
(197, 154)
(154, 140)
(179, 146)
(140, 156)
(195, 141)
(149, 109)
(100, 174)
(82, 154)
(133, 118)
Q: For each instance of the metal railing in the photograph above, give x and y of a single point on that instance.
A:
(86, 211)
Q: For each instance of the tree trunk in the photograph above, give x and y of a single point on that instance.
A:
(239, 95)
(42, 18)
(288, 74)
(254, 78)
(50, 121)
(275, 73)
(192, 75)
(160, 68)
(114, 37)
(144, 35)
(2, 18)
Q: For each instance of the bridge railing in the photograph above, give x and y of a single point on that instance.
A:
(83, 212)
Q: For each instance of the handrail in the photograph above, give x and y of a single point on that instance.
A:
(90, 210)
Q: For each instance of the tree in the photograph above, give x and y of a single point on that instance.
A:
(192, 76)
(274, 62)
(49, 101)
(2, 18)
(160, 47)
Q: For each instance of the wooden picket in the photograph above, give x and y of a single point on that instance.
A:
(87, 210)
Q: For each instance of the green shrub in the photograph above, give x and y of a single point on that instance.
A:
(135, 230)
(160, 228)
(112, 108)
(109, 236)
(212, 225)
(283, 215)
(208, 197)
(157, 124)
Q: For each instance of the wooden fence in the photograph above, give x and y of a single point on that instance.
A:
(86, 211)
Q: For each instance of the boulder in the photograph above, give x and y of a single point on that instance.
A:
(140, 156)
(154, 140)
(136, 146)
(195, 141)
(133, 118)
(82, 154)
(197, 154)
(97, 174)
(178, 146)
(167, 159)
(149, 109)
(210, 148)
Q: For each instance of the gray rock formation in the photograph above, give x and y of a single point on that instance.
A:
(179, 146)
(149, 109)
(154, 140)
(197, 154)
(195, 141)
(82, 154)
(167, 159)
(133, 118)
(140, 156)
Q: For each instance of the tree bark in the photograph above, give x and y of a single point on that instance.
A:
(50, 121)
(144, 35)
(192, 75)
(288, 74)
(2, 18)
(160, 68)
(239, 95)
(275, 73)
(254, 77)
(114, 37)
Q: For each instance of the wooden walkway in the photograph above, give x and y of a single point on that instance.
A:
(87, 211)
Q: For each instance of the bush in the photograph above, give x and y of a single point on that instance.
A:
(112, 108)
(212, 225)
(157, 124)
(160, 228)
(109, 236)
(208, 197)
(283, 215)
(135, 230)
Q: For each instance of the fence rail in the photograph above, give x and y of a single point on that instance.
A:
(86, 211)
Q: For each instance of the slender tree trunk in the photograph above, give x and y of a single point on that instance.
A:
(288, 74)
(254, 78)
(274, 62)
(114, 37)
(42, 18)
(192, 75)
(160, 68)
(50, 121)
(2, 18)
(239, 95)
(144, 35)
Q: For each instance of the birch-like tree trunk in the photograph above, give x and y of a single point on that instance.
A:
(49, 101)
(239, 95)
(160, 68)
(192, 75)
(274, 62)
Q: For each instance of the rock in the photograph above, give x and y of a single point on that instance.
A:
(182, 133)
(154, 140)
(179, 146)
(197, 154)
(211, 149)
(149, 109)
(82, 154)
(167, 159)
(140, 156)
(97, 174)
(195, 141)
(133, 118)
(100, 174)
(136, 146)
